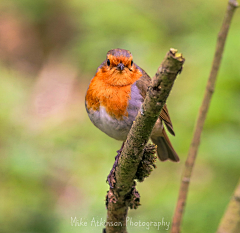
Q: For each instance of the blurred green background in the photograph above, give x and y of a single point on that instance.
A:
(54, 162)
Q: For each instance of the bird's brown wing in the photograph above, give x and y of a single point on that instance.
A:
(165, 149)
(164, 115)
(143, 84)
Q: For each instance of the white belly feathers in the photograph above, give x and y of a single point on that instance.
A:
(116, 128)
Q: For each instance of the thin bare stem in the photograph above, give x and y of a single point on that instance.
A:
(232, 5)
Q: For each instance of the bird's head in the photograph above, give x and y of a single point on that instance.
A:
(119, 69)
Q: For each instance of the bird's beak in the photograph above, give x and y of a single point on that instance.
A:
(120, 66)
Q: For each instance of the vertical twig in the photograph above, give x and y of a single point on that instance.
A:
(230, 222)
(232, 5)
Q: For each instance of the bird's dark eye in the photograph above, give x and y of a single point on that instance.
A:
(131, 62)
(108, 62)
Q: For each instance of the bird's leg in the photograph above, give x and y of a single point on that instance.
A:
(111, 177)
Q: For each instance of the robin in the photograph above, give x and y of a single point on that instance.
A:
(115, 95)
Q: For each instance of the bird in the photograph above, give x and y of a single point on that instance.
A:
(115, 95)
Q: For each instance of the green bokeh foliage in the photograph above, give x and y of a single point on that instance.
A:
(58, 171)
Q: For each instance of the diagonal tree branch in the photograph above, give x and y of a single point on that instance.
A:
(230, 222)
(192, 154)
(124, 193)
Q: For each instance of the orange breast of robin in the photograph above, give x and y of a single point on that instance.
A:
(114, 96)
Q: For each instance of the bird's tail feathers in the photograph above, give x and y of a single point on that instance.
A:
(165, 149)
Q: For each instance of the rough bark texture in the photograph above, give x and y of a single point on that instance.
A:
(124, 193)
(230, 222)
(232, 4)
